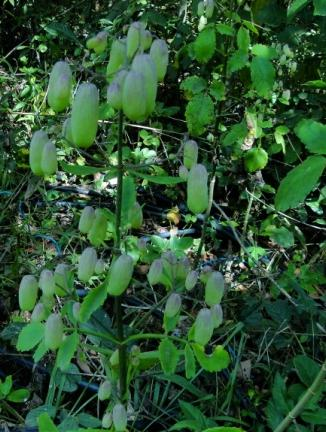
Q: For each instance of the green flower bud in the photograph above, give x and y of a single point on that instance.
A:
(60, 85)
(105, 390)
(144, 64)
(47, 282)
(155, 273)
(49, 163)
(197, 189)
(120, 274)
(85, 115)
(66, 130)
(114, 93)
(86, 220)
(39, 313)
(87, 263)
(27, 293)
(118, 57)
(98, 230)
(119, 416)
(173, 305)
(191, 280)
(62, 275)
(99, 266)
(160, 54)
(53, 332)
(214, 288)
(98, 43)
(190, 153)
(107, 421)
(217, 315)
(204, 327)
(133, 38)
(183, 172)
(135, 216)
(134, 97)
(38, 142)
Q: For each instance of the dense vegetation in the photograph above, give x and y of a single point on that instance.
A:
(169, 273)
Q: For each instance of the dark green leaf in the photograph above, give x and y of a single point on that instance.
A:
(320, 7)
(315, 417)
(45, 423)
(243, 39)
(306, 368)
(237, 61)
(205, 45)
(199, 114)
(313, 135)
(307, 174)
(82, 170)
(262, 75)
(19, 396)
(295, 7)
(193, 85)
(190, 362)
(164, 180)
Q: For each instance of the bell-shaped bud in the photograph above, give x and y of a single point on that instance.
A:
(209, 8)
(204, 327)
(85, 115)
(197, 189)
(47, 282)
(53, 332)
(86, 220)
(27, 293)
(119, 417)
(38, 142)
(114, 93)
(39, 313)
(217, 315)
(99, 266)
(97, 233)
(145, 40)
(118, 57)
(120, 274)
(183, 172)
(114, 359)
(160, 54)
(202, 23)
(134, 98)
(190, 153)
(144, 64)
(86, 264)
(214, 288)
(60, 85)
(105, 390)
(191, 280)
(200, 9)
(173, 305)
(49, 163)
(107, 421)
(155, 273)
(98, 43)
(134, 38)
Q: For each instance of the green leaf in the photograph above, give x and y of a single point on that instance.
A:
(30, 336)
(199, 114)
(190, 362)
(39, 352)
(315, 417)
(185, 424)
(164, 180)
(82, 170)
(320, 7)
(236, 135)
(185, 384)
(46, 424)
(217, 90)
(243, 39)
(67, 350)
(295, 7)
(33, 415)
(128, 197)
(193, 85)
(299, 182)
(19, 396)
(5, 386)
(264, 51)
(315, 84)
(281, 236)
(307, 369)
(312, 134)
(224, 429)
(225, 29)
(215, 362)
(279, 394)
(94, 299)
(262, 75)
(205, 45)
(237, 61)
(169, 356)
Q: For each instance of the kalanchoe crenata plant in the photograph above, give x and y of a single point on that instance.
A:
(137, 63)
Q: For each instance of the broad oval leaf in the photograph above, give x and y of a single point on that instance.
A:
(299, 182)
(30, 336)
(199, 114)
(205, 45)
(313, 135)
(94, 299)
(67, 350)
(262, 75)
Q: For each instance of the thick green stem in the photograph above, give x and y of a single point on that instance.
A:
(303, 401)
(118, 300)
